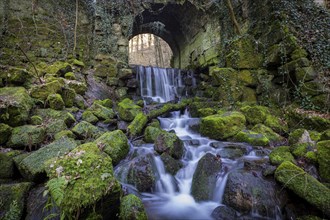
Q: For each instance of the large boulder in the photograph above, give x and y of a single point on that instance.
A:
(171, 165)
(131, 207)
(15, 105)
(246, 191)
(33, 166)
(304, 185)
(323, 158)
(44, 90)
(55, 101)
(27, 136)
(222, 126)
(82, 178)
(85, 130)
(151, 133)
(205, 177)
(170, 143)
(255, 114)
(101, 112)
(252, 138)
(13, 197)
(115, 144)
(127, 110)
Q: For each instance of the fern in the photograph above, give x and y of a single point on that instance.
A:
(14, 212)
(56, 188)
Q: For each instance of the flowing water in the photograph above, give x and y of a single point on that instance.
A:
(171, 196)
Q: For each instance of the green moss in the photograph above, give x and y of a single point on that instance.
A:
(304, 185)
(55, 101)
(26, 136)
(311, 156)
(43, 91)
(127, 110)
(15, 105)
(81, 178)
(16, 76)
(89, 117)
(170, 143)
(70, 75)
(299, 150)
(106, 103)
(33, 166)
(247, 78)
(59, 68)
(78, 63)
(325, 135)
(255, 114)
(53, 115)
(223, 126)
(7, 164)
(281, 154)
(5, 132)
(203, 112)
(151, 133)
(305, 74)
(115, 144)
(252, 138)
(101, 112)
(295, 136)
(36, 120)
(276, 124)
(137, 125)
(68, 96)
(267, 132)
(79, 87)
(64, 133)
(314, 135)
(166, 109)
(298, 53)
(323, 152)
(131, 207)
(85, 130)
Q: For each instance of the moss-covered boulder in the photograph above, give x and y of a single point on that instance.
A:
(106, 103)
(204, 112)
(137, 125)
(299, 150)
(7, 164)
(299, 136)
(68, 96)
(101, 112)
(5, 132)
(55, 101)
(205, 177)
(304, 185)
(79, 87)
(171, 165)
(222, 126)
(85, 130)
(33, 166)
(51, 115)
(13, 197)
(325, 135)
(115, 144)
(127, 110)
(255, 114)
(64, 133)
(251, 137)
(151, 133)
(267, 132)
(26, 136)
(14, 76)
(170, 143)
(15, 105)
(89, 117)
(36, 120)
(44, 90)
(81, 178)
(131, 207)
(59, 68)
(281, 154)
(276, 124)
(323, 158)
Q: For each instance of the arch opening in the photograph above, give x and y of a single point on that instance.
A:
(149, 50)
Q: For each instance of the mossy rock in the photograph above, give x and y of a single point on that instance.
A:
(64, 133)
(247, 78)
(299, 150)
(55, 101)
(27, 136)
(13, 197)
(196, 105)
(222, 126)
(171, 165)
(267, 132)
(311, 156)
(249, 95)
(36, 120)
(49, 115)
(298, 63)
(255, 114)
(115, 144)
(298, 53)
(281, 154)
(59, 68)
(127, 110)
(299, 136)
(305, 74)
(106, 103)
(252, 138)
(151, 133)
(33, 166)
(89, 117)
(101, 112)
(276, 124)
(205, 177)
(325, 135)
(79, 87)
(78, 63)
(131, 207)
(68, 96)
(204, 112)
(314, 135)
(15, 105)
(81, 178)
(43, 91)
(323, 152)
(15, 76)
(137, 125)
(7, 164)
(304, 185)
(170, 143)
(85, 130)
(125, 73)
(70, 76)
(5, 132)
(54, 126)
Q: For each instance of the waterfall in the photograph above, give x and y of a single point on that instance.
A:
(159, 84)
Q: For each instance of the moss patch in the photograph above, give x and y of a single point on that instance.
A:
(131, 207)
(127, 110)
(323, 152)
(280, 154)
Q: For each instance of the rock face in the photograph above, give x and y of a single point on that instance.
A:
(205, 177)
(115, 144)
(222, 126)
(170, 143)
(131, 207)
(15, 105)
(304, 185)
(246, 192)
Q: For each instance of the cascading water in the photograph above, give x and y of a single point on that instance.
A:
(171, 196)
